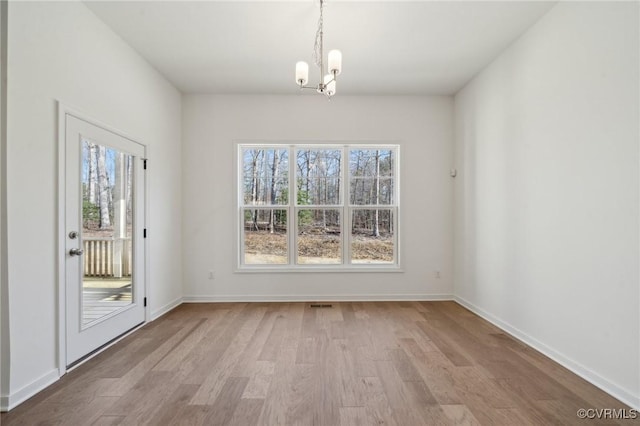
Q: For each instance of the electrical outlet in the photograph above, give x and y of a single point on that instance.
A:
(212, 275)
(436, 274)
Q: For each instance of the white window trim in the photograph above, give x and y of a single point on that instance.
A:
(292, 209)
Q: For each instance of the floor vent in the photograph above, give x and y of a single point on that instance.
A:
(321, 305)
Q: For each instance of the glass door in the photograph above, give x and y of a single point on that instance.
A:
(104, 198)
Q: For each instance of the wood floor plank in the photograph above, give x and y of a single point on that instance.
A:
(192, 415)
(307, 350)
(227, 401)
(420, 393)
(511, 416)
(166, 414)
(350, 387)
(134, 350)
(301, 394)
(403, 365)
(379, 409)
(108, 421)
(145, 397)
(282, 393)
(248, 359)
(326, 389)
(272, 344)
(356, 363)
(434, 415)
(176, 357)
(247, 412)
(212, 385)
(437, 372)
(260, 376)
(129, 380)
(444, 343)
(399, 396)
(364, 363)
(460, 415)
(91, 412)
(354, 416)
(326, 316)
(197, 365)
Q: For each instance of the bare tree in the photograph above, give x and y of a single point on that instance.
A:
(275, 171)
(93, 173)
(103, 188)
(376, 219)
(129, 189)
(255, 183)
(305, 171)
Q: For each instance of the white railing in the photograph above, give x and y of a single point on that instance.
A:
(107, 257)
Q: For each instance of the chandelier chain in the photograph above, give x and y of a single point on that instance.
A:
(317, 46)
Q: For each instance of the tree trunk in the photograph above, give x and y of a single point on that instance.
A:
(129, 195)
(254, 186)
(103, 188)
(275, 170)
(119, 214)
(308, 174)
(376, 228)
(356, 173)
(339, 174)
(93, 174)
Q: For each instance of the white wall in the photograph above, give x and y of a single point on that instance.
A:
(421, 125)
(546, 231)
(4, 305)
(61, 51)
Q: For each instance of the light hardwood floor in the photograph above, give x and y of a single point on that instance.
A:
(387, 363)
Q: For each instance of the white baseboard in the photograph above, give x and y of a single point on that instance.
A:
(612, 389)
(316, 298)
(166, 308)
(8, 402)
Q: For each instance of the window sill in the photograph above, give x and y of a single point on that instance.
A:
(316, 269)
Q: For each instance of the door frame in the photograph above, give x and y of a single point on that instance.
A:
(63, 111)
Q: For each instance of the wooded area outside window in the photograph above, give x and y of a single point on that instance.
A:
(318, 206)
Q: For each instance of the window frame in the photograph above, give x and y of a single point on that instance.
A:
(345, 208)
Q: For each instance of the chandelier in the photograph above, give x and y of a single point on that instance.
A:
(327, 84)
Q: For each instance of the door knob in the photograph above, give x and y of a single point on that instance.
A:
(76, 252)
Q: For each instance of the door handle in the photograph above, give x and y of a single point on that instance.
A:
(76, 252)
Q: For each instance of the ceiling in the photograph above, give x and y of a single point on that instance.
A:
(388, 47)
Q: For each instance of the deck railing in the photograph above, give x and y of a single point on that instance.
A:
(107, 257)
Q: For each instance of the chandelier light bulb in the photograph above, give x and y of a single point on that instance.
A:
(302, 73)
(335, 62)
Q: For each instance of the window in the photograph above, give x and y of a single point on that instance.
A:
(318, 207)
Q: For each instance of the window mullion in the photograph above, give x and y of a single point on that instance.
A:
(292, 216)
(241, 222)
(396, 236)
(346, 215)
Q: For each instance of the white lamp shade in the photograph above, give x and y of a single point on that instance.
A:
(302, 73)
(335, 62)
(331, 87)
